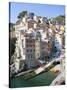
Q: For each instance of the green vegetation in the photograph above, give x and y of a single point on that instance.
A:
(31, 14)
(22, 14)
(55, 63)
(60, 19)
(12, 48)
(11, 27)
(12, 41)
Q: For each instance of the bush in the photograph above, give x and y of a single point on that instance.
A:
(55, 63)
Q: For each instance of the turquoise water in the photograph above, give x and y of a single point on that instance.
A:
(43, 79)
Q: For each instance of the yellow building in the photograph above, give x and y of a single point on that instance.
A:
(62, 28)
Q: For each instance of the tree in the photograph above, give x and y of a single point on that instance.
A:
(11, 27)
(22, 14)
(12, 46)
(45, 19)
(60, 19)
(31, 15)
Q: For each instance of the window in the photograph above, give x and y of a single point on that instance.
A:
(30, 50)
(27, 40)
(27, 50)
(27, 45)
(28, 55)
(31, 55)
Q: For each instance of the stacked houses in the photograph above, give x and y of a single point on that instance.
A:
(34, 42)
